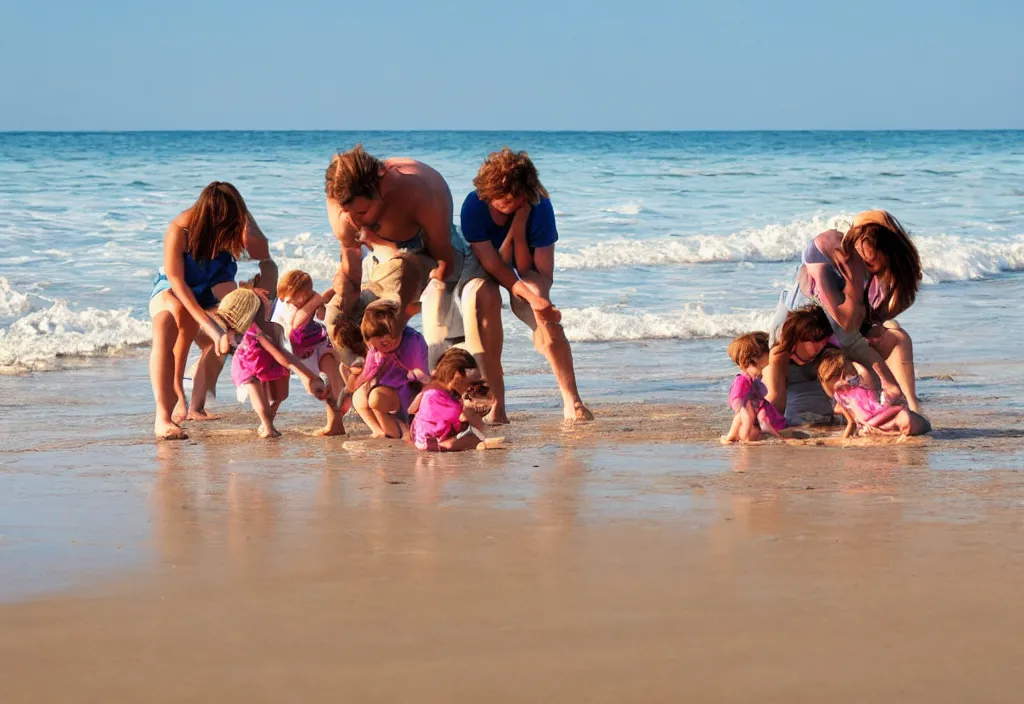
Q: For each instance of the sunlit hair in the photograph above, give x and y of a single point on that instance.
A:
(807, 324)
(508, 173)
(380, 320)
(831, 370)
(901, 277)
(454, 362)
(353, 174)
(747, 349)
(216, 222)
(347, 335)
(292, 282)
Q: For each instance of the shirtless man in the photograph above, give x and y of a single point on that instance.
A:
(401, 210)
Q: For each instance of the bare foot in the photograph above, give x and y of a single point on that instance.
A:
(266, 433)
(180, 411)
(168, 431)
(496, 418)
(377, 435)
(578, 413)
(201, 415)
(328, 430)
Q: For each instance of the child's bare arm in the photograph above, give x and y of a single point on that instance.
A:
(851, 424)
(414, 407)
(314, 384)
(473, 418)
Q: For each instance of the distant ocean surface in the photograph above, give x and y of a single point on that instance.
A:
(670, 243)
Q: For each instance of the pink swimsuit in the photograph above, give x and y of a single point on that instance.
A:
(438, 418)
(252, 363)
(864, 406)
(394, 370)
(746, 389)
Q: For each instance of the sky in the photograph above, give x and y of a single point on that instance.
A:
(523, 65)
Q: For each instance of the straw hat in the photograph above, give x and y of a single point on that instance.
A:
(239, 309)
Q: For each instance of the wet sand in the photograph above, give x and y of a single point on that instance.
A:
(633, 559)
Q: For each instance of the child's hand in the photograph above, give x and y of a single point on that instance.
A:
(315, 386)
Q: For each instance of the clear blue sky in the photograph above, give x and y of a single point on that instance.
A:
(524, 64)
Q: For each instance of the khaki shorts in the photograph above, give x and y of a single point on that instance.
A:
(403, 278)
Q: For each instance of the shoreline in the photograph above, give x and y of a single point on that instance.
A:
(604, 572)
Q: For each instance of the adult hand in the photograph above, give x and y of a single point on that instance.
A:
(225, 343)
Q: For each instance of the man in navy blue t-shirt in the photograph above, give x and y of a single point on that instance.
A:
(510, 225)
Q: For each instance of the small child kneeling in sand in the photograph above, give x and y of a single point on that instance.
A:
(441, 422)
(260, 367)
(860, 404)
(395, 369)
(755, 414)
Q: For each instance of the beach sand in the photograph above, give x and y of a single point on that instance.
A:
(632, 559)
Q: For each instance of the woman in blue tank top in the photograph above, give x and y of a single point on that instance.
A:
(200, 249)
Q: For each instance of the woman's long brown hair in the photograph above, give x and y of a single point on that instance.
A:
(217, 222)
(902, 275)
(807, 324)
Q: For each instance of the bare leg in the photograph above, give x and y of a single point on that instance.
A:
(897, 349)
(361, 402)
(260, 404)
(335, 419)
(456, 444)
(208, 369)
(187, 330)
(481, 309)
(384, 403)
(277, 392)
(435, 308)
(549, 339)
(167, 313)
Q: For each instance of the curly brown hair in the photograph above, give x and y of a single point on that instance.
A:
(216, 222)
(508, 173)
(747, 349)
(353, 174)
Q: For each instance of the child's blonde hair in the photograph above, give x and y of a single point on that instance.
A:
(239, 308)
(453, 362)
(381, 319)
(292, 282)
(831, 369)
(747, 349)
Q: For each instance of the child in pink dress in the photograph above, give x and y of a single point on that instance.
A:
(394, 371)
(755, 414)
(441, 422)
(260, 368)
(860, 404)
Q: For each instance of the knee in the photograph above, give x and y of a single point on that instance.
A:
(382, 399)
(360, 400)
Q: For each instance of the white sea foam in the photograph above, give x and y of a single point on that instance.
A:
(944, 258)
(631, 208)
(602, 324)
(40, 339)
(11, 302)
(774, 243)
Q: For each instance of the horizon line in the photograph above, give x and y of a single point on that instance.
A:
(523, 131)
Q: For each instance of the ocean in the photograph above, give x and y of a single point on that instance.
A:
(669, 245)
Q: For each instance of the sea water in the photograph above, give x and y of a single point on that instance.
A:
(669, 243)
